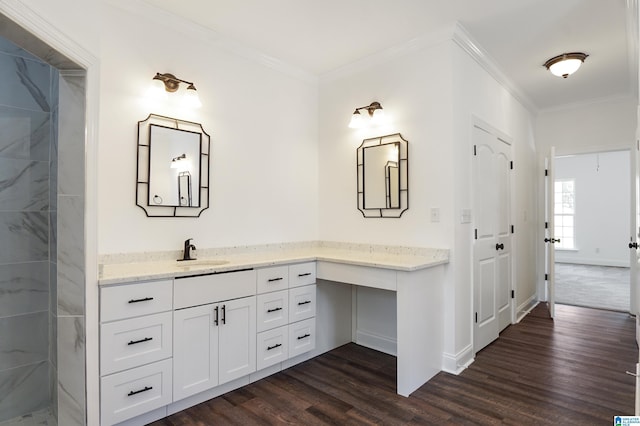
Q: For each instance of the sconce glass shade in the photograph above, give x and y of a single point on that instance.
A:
(566, 64)
(357, 120)
(156, 91)
(191, 98)
(378, 117)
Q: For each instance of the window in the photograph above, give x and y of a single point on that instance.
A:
(565, 196)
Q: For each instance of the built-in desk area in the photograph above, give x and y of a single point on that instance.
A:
(341, 291)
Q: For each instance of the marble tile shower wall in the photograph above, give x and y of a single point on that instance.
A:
(26, 129)
(71, 393)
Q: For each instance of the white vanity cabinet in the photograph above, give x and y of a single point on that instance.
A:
(213, 343)
(135, 349)
(286, 312)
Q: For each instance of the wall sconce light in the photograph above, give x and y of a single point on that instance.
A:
(566, 64)
(177, 162)
(166, 82)
(376, 114)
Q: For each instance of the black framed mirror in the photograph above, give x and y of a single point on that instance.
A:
(383, 176)
(172, 177)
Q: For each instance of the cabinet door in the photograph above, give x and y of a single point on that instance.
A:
(237, 340)
(195, 350)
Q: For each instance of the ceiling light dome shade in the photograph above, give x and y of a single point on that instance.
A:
(566, 64)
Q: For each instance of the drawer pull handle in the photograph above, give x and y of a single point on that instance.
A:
(306, 302)
(277, 345)
(146, 388)
(273, 310)
(274, 279)
(146, 339)
(306, 274)
(224, 314)
(146, 299)
(215, 318)
(304, 337)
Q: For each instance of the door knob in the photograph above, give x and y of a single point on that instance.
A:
(499, 246)
(633, 245)
(552, 240)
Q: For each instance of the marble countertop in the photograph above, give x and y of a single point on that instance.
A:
(116, 269)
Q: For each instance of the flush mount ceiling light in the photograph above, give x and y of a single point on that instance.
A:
(376, 113)
(566, 64)
(170, 83)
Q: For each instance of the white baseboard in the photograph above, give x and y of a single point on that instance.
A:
(377, 342)
(594, 262)
(455, 364)
(526, 307)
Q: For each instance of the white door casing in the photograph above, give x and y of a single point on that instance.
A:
(549, 238)
(492, 240)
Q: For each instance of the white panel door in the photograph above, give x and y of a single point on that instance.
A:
(195, 350)
(237, 339)
(492, 239)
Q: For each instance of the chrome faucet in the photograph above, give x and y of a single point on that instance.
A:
(186, 255)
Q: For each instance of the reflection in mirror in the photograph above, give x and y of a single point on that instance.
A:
(173, 167)
(383, 187)
(378, 188)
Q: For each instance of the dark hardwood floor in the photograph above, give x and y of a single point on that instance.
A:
(570, 371)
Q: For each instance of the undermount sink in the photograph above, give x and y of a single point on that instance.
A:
(202, 262)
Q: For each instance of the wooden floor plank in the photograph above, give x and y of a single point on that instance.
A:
(570, 370)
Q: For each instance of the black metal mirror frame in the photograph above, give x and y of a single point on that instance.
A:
(144, 167)
(403, 168)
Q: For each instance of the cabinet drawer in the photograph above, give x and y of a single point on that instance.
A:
(194, 291)
(302, 303)
(302, 274)
(133, 392)
(272, 347)
(273, 310)
(302, 337)
(273, 279)
(135, 299)
(134, 342)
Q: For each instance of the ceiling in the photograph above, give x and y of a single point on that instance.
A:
(321, 36)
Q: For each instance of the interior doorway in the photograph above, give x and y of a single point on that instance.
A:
(591, 215)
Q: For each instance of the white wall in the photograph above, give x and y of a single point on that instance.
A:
(263, 127)
(432, 96)
(477, 95)
(599, 126)
(602, 185)
(415, 92)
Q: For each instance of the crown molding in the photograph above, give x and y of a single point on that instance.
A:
(199, 32)
(463, 39)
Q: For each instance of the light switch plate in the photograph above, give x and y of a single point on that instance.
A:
(435, 214)
(465, 216)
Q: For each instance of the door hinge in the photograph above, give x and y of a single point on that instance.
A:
(546, 277)
(546, 172)
(513, 229)
(476, 317)
(546, 225)
(475, 231)
(513, 294)
(474, 150)
(511, 165)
